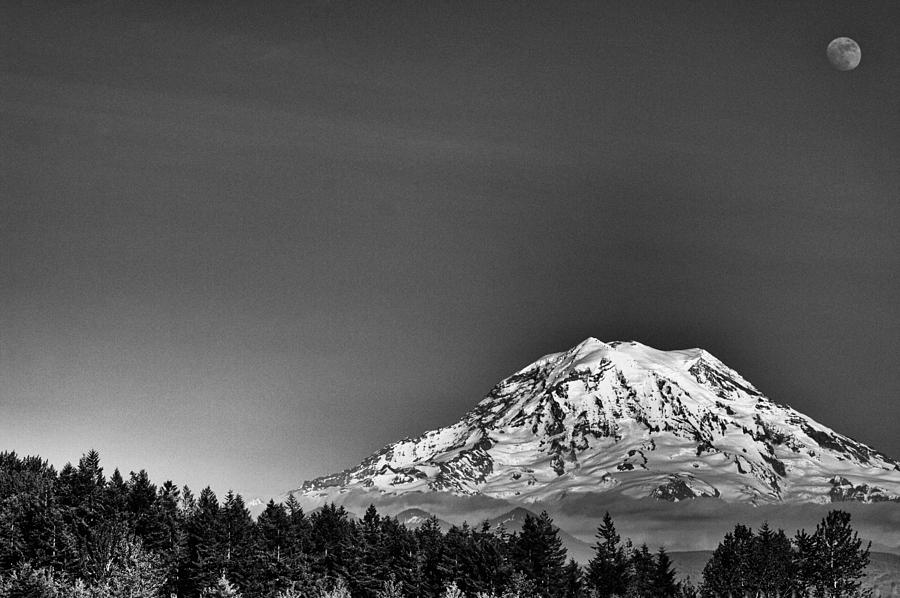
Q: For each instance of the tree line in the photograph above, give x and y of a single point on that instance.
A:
(78, 534)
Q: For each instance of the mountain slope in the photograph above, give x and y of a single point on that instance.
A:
(628, 419)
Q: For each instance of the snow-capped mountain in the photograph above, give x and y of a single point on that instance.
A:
(626, 418)
(414, 518)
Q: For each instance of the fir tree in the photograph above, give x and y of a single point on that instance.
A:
(333, 541)
(664, 584)
(430, 552)
(203, 561)
(729, 570)
(272, 532)
(539, 554)
(607, 572)
(398, 553)
(457, 557)
(641, 573)
(573, 580)
(237, 540)
(371, 562)
(772, 563)
(490, 561)
(804, 562)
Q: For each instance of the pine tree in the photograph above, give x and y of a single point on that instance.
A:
(641, 574)
(838, 560)
(272, 532)
(430, 552)
(237, 540)
(333, 541)
(607, 572)
(729, 570)
(539, 554)
(371, 559)
(573, 580)
(398, 554)
(203, 561)
(804, 562)
(457, 557)
(188, 503)
(663, 584)
(771, 563)
(271, 559)
(490, 569)
(116, 495)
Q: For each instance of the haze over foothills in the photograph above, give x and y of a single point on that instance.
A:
(246, 244)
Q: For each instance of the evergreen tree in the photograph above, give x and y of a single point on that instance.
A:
(116, 495)
(663, 584)
(238, 540)
(772, 563)
(641, 573)
(273, 526)
(140, 499)
(539, 554)
(371, 562)
(838, 560)
(298, 542)
(457, 557)
(398, 554)
(430, 553)
(333, 541)
(188, 503)
(729, 570)
(490, 560)
(607, 572)
(272, 571)
(573, 580)
(203, 562)
(804, 562)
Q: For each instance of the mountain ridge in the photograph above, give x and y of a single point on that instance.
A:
(621, 417)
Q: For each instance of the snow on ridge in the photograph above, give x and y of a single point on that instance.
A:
(625, 417)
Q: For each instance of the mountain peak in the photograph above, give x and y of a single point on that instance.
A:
(627, 418)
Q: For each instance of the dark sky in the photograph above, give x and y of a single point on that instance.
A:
(246, 243)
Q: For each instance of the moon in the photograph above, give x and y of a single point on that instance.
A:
(844, 54)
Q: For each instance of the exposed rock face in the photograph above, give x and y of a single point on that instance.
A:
(623, 417)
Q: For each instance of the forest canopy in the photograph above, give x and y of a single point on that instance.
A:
(78, 533)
